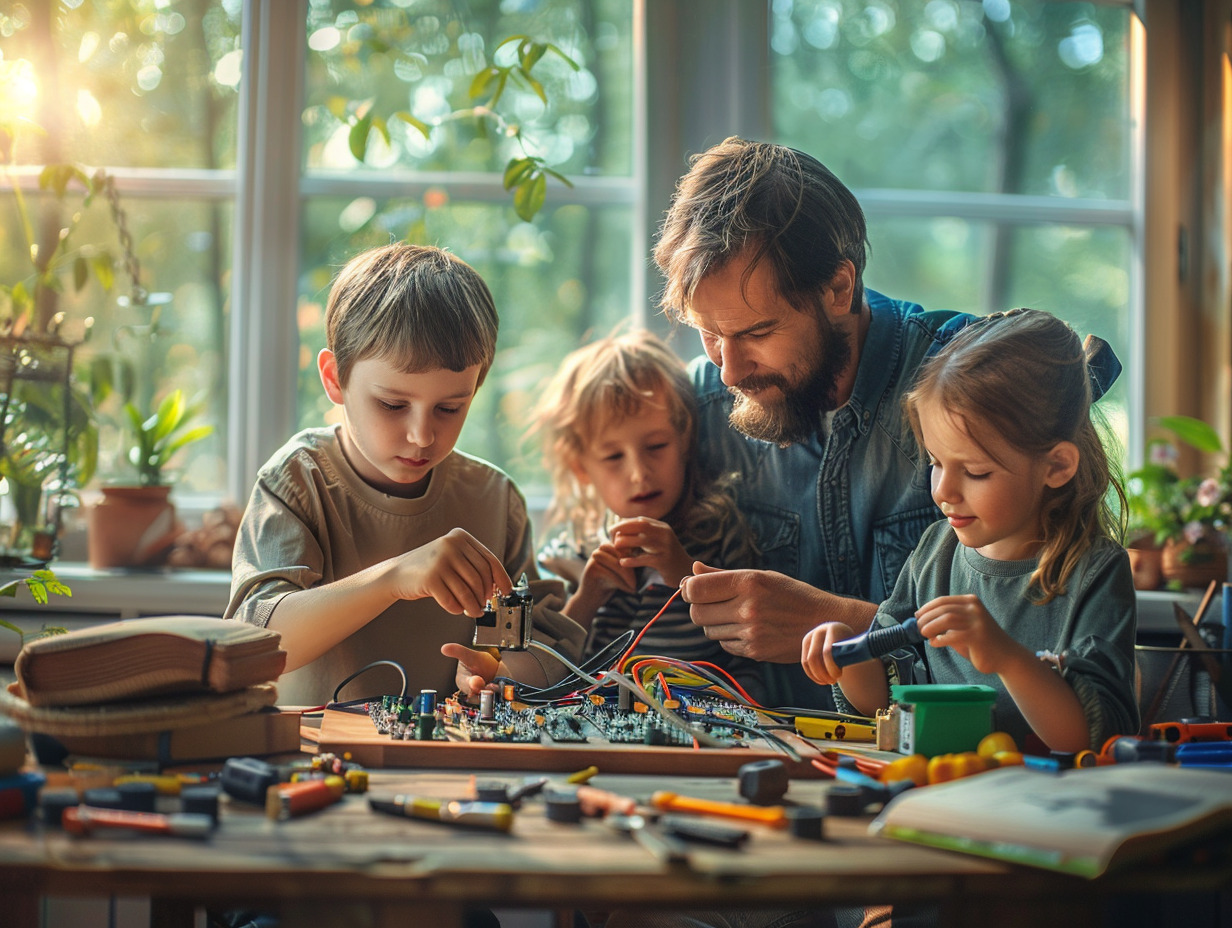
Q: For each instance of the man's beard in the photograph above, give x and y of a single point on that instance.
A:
(796, 415)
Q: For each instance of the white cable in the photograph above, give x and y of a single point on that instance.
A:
(621, 680)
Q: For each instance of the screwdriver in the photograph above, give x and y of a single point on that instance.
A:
(768, 815)
(876, 642)
(497, 816)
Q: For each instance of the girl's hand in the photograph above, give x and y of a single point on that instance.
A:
(604, 574)
(963, 624)
(476, 668)
(650, 543)
(815, 652)
(456, 570)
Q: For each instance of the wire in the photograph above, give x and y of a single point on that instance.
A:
(394, 664)
(621, 680)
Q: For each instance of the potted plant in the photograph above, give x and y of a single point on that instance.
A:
(48, 435)
(134, 524)
(1185, 518)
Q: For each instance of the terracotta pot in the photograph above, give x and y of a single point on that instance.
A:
(1194, 565)
(1147, 567)
(132, 526)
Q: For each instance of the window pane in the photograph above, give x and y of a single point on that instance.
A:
(1013, 96)
(1077, 273)
(554, 281)
(143, 83)
(183, 248)
(379, 59)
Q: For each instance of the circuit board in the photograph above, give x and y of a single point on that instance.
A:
(563, 737)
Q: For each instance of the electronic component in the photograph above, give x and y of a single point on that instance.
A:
(506, 620)
(248, 779)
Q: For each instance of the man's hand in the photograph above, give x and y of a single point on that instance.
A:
(476, 668)
(762, 614)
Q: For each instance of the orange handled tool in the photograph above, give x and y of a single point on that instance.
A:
(774, 816)
(288, 800)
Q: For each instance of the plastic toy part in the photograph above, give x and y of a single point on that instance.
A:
(506, 620)
(942, 719)
(763, 782)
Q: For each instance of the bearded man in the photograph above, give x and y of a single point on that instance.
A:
(763, 250)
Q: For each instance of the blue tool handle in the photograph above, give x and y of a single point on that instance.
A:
(876, 642)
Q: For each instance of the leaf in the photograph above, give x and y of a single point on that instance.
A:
(516, 171)
(529, 54)
(10, 590)
(358, 137)
(379, 125)
(187, 438)
(337, 107)
(529, 197)
(104, 270)
(560, 177)
(424, 129)
(536, 87)
(1193, 432)
(569, 61)
(81, 273)
(483, 80)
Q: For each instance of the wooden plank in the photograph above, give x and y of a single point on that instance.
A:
(345, 732)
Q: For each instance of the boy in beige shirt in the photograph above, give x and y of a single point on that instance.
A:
(367, 541)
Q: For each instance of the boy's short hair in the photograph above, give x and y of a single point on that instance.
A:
(417, 306)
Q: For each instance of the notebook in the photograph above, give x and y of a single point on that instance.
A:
(1084, 821)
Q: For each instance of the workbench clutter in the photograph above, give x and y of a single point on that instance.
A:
(163, 688)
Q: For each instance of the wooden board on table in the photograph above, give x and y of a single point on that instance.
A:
(346, 732)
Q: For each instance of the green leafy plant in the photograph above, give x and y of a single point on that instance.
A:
(1163, 506)
(42, 584)
(161, 434)
(525, 176)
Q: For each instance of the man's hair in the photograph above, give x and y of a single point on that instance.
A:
(784, 205)
(416, 306)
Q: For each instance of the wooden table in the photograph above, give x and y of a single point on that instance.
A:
(347, 865)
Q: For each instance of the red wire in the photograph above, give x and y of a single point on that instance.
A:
(620, 660)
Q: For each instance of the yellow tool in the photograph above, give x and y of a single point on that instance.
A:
(832, 730)
(774, 816)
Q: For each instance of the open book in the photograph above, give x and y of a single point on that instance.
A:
(144, 657)
(1083, 821)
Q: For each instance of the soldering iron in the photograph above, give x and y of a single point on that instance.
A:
(875, 642)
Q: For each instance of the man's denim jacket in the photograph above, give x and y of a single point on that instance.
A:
(840, 511)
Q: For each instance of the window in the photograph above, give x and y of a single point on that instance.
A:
(993, 145)
(990, 144)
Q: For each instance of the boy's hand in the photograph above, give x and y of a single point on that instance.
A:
(815, 652)
(456, 570)
(476, 668)
(963, 624)
(644, 542)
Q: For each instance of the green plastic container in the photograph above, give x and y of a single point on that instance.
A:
(941, 718)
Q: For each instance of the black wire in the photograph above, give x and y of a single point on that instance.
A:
(598, 661)
(394, 664)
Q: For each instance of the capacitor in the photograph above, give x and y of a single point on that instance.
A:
(487, 706)
(427, 702)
